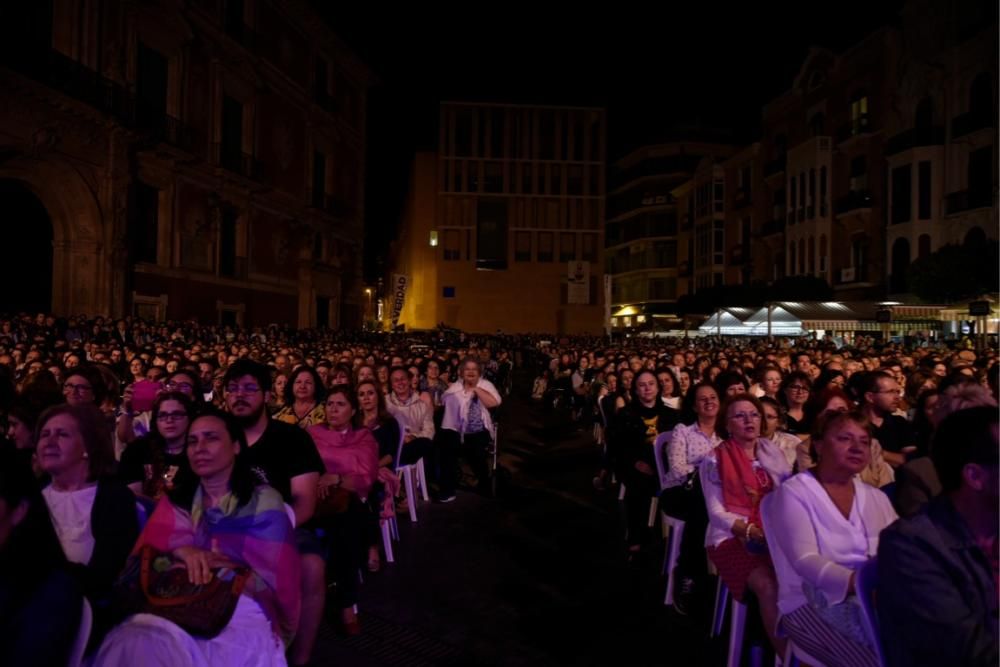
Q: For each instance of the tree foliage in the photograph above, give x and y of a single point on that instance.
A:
(955, 272)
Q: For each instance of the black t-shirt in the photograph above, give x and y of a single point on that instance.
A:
(894, 433)
(284, 451)
(157, 472)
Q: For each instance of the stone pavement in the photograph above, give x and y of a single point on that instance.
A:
(536, 576)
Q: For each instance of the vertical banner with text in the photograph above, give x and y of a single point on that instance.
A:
(578, 283)
(399, 283)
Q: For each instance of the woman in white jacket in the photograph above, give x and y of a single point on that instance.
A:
(467, 426)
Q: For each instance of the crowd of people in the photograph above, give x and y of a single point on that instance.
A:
(260, 463)
(792, 465)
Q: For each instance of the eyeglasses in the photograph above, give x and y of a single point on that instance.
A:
(71, 388)
(242, 388)
(170, 416)
(798, 387)
(183, 386)
(746, 416)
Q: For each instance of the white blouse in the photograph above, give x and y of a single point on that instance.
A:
(687, 448)
(815, 545)
(70, 513)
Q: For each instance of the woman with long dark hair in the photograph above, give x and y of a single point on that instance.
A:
(220, 519)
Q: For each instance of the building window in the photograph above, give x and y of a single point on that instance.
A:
(231, 146)
(924, 190)
(663, 289)
(792, 199)
(522, 247)
(859, 174)
(452, 249)
(902, 189)
(924, 116)
(811, 249)
(545, 242)
(859, 113)
(567, 247)
(981, 176)
(143, 225)
(859, 258)
(433, 239)
(491, 234)
(822, 192)
(719, 192)
(802, 256)
(719, 242)
(448, 292)
(791, 257)
(589, 250)
(822, 254)
(319, 180)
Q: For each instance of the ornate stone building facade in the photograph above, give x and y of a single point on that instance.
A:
(199, 158)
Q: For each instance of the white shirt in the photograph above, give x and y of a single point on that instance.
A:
(70, 513)
(414, 416)
(813, 543)
(687, 447)
(456, 405)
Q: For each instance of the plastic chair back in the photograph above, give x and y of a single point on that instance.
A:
(659, 448)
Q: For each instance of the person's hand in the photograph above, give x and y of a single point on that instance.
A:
(409, 437)
(756, 534)
(327, 482)
(644, 468)
(127, 398)
(198, 562)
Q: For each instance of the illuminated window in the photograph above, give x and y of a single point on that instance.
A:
(627, 321)
(640, 319)
(434, 239)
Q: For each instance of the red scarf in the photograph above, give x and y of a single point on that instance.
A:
(742, 489)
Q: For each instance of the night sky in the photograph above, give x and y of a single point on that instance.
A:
(654, 70)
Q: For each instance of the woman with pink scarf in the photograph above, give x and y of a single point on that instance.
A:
(350, 454)
(735, 477)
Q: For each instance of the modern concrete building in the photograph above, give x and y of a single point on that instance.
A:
(503, 226)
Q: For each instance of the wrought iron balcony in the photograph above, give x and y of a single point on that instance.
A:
(854, 200)
(914, 138)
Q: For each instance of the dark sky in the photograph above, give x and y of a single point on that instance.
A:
(652, 69)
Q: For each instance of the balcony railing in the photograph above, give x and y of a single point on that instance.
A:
(236, 161)
(914, 138)
(852, 201)
(79, 82)
(969, 122)
(967, 200)
(855, 127)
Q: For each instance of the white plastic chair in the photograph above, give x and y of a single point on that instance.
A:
(406, 473)
(82, 636)
(388, 527)
(673, 527)
(658, 446)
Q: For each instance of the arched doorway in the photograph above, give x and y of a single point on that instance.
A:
(900, 264)
(26, 270)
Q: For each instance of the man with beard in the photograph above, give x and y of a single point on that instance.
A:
(285, 457)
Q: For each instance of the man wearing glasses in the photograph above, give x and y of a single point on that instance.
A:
(881, 400)
(284, 456)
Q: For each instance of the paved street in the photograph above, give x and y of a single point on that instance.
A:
(536, 576)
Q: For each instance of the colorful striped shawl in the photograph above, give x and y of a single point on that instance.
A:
(258, 534)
